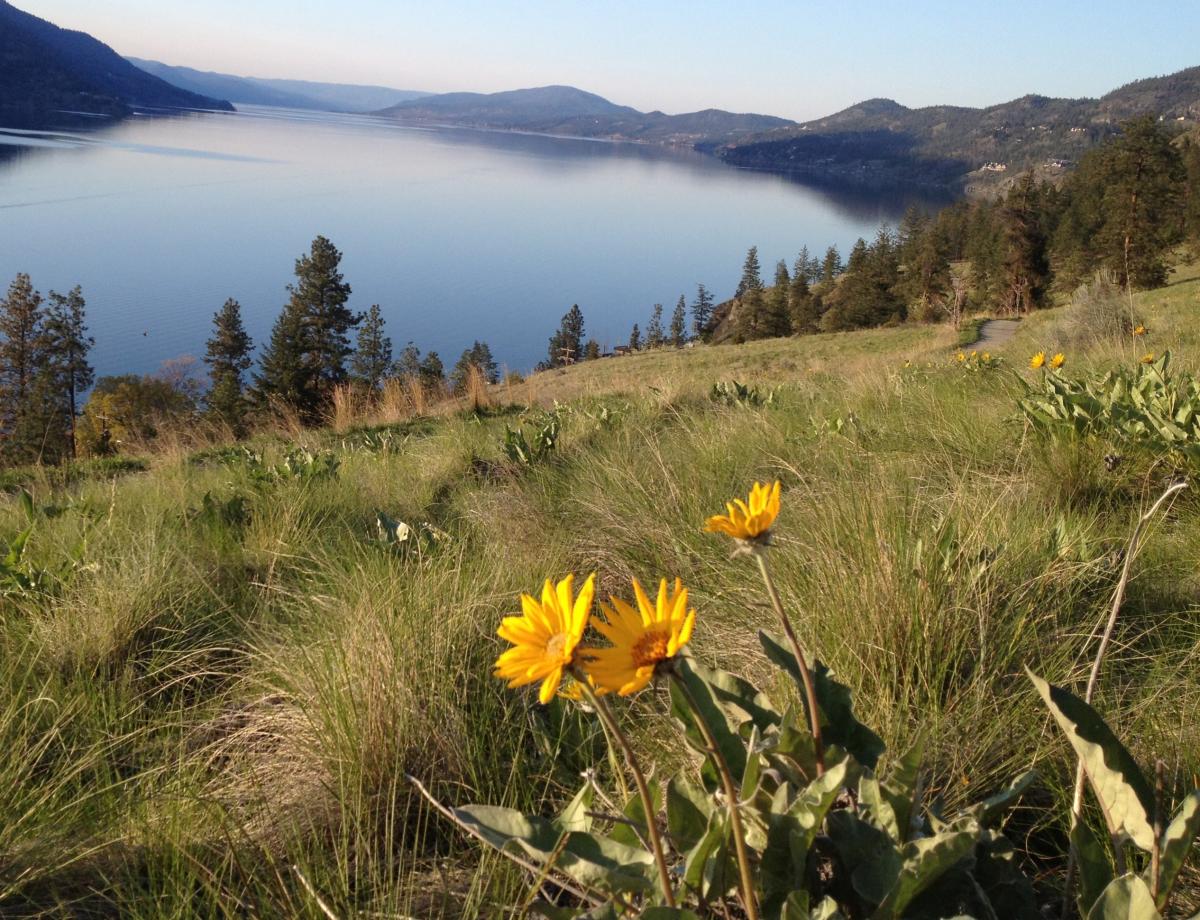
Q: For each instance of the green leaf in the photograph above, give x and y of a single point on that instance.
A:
(595, 861)
(688, 812)
(1125, 898)
(994, 807)
(728, 742)
(1095, 869)
(1177, 843)
(839, 726)
(1123, 792)
(869, 854)
(708, 867)
(925, 861)
(623, 833)
(827, 910)
(666, 913)
(792, 830)
(574, 817)
(795, 907)
(899, 789)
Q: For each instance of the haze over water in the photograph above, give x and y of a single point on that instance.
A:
(458, 235)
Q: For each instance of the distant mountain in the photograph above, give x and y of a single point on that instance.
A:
(52, 76)
(573, 112)
(292, 94)
(881, 141)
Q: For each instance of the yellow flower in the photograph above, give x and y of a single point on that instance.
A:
(1148, 358)
(1058, 360)
(987, 356)
(1037, 360)
(961, 357)
(748, 521)
(641, 639)
(545, 636)
(974, 354)
(1139, 329)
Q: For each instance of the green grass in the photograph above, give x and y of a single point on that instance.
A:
(199, 701)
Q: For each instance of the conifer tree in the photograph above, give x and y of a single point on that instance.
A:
(702, 309)
(478, 356)
(228, 358)
(433, 373)
(831, 265)
(409, 362)
(310, 341)
(67, 348)
(1025, 269)
(591, 351)
(751, 274)
(566, 345)
(655, 336)
(776, 319)
(803, 307)
(635, 338)
(21, 354)
(679, 323)
(372, 358)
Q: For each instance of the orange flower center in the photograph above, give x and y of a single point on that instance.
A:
(556, 644)
(650, 649)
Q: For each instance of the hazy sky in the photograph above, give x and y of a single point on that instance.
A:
(793, 58)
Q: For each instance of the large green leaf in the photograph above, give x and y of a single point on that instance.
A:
(1123, 792)
(1177, 843)
(924, 862)
(839, 725)
(867, 852)
(575, 816)
(714, 714)
(1125, 898)
(635, 813)
(899, 788)
(596, 861)
(792, 828)
(689, 810)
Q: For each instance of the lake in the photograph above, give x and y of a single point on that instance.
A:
(457, 234)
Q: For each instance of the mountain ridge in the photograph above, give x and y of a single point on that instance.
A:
(293, 94)
(55, 76)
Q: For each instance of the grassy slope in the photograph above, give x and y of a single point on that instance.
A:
(203, 704)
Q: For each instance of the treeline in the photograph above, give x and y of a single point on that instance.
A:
(307, 360)
(1127, 208)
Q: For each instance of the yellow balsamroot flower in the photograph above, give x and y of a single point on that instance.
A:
(961, 357)
(1148, 358)
(987, 356)
(1058, 360)
(749, 521)
(545, 636)
(1139, 329)
(641, 639)
(1037, 360)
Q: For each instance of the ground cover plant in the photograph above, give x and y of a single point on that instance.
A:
(217, 707)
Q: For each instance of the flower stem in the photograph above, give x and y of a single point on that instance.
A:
(614, 731)
(806, 679)
(731, 794)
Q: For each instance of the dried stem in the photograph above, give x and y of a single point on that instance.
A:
(806, 680)
(731, 794)
(1131, 552)
(614, 731)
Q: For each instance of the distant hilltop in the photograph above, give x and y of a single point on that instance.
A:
(51, 76)
(565, 110)
(878, 141)
(289, 94)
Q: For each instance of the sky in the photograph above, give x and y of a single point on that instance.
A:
(792, 58)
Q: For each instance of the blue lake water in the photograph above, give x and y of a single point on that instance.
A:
(457, 234)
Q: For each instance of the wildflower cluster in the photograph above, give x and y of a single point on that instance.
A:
(1039, 361)
(976, 360)
(741, 835)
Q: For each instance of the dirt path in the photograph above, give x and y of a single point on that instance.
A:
(996, 332)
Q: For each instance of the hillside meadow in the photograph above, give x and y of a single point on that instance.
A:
(216, 673)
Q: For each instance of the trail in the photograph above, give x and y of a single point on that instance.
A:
(996, 332)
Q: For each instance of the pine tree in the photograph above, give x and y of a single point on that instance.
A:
(635, 339)
(67, 348)
(228, 358)
(372, 358)
(21, 352)
(679, 323)
(831, 265)
(751, 274)
(284, 375)
(803, 307)
(310, 341)
(748, 317)
(702, 309)
(433, 373)
(776, 318)
(655, 336)
(409, 362)
(566, 345)
(479, 357)
(591, 351)
(1025, 271)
